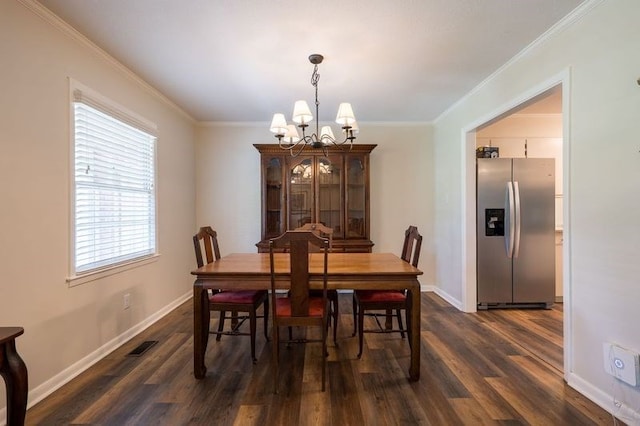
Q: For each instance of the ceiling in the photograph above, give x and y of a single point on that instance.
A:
(243, 60)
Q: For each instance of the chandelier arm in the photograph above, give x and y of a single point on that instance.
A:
(297, 150)
(290, 145)
(348, 138)
(300, 146)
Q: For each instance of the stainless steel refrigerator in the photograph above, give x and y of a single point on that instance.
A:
(515, 232)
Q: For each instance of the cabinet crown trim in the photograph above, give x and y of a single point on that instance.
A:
(274, 148)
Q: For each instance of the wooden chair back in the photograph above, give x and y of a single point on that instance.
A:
(298, 243)
(206, 239)
(320, 230)
(411, 246)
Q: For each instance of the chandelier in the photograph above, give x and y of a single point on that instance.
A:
(288, 136)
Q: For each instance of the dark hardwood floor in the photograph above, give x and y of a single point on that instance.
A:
(476, 369)
(538, 331)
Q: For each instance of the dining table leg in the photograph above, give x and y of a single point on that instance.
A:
(14, 372)
(414, 368)
(200, 329)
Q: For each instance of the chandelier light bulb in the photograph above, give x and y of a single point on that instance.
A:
(326, 135)
(291, 136)
(345, 115)
(302, 113)
(279, 124)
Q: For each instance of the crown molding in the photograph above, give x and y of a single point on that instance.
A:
(537, 115)
(58, 23)
(257, 124)
(361, 124)
(274, 148)
(555, 29)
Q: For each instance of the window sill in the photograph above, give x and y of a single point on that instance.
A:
(110, 270)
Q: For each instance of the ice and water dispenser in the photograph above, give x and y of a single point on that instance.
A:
(494, 222)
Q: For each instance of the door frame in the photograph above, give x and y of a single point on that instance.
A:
(469, 255)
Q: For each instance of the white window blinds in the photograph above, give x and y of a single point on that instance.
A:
(114, 203)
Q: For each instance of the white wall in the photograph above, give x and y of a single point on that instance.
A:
(597, 59)
(66, 328)
(402, 171)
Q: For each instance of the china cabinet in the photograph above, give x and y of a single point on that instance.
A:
(312, 187)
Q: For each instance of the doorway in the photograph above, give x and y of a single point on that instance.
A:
(548, 99)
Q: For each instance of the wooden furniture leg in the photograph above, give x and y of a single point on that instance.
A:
(14, 372)
(388, 325)
(414, 333)
(201, 316)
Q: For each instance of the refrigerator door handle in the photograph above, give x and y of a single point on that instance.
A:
(510, 206)
(516, 244)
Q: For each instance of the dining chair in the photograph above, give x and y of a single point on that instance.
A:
(298, 308)
(325, 232)
(234, 302)
(365, 301)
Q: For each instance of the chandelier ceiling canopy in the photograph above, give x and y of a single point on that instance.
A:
(288, 136)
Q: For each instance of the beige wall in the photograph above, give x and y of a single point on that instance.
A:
(596, 58)
(402, 171)
(67, 328)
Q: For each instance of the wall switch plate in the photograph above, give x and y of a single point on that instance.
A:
(127, 301)
(621, 363)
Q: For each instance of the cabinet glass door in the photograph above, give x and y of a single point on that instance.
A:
(356, 197)
(330, 197)
(301, 192)
(273, 197)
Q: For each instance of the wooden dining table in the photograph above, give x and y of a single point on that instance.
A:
(346, 271)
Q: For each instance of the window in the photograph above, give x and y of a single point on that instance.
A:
(114, 201)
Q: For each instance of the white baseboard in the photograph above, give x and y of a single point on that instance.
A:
(47, 388)
(427, 288)
(450, 299)
(623, 412)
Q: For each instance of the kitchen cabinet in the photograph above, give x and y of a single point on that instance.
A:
(311, 187)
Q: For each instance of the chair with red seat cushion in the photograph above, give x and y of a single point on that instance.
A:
(387, 300)
(234, 302)
(298, 308)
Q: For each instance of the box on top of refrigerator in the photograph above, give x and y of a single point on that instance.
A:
(487, 152)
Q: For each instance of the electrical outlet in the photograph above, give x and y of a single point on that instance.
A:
(127, 301)
(622, 363)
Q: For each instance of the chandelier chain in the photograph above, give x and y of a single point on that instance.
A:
(315, 77)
